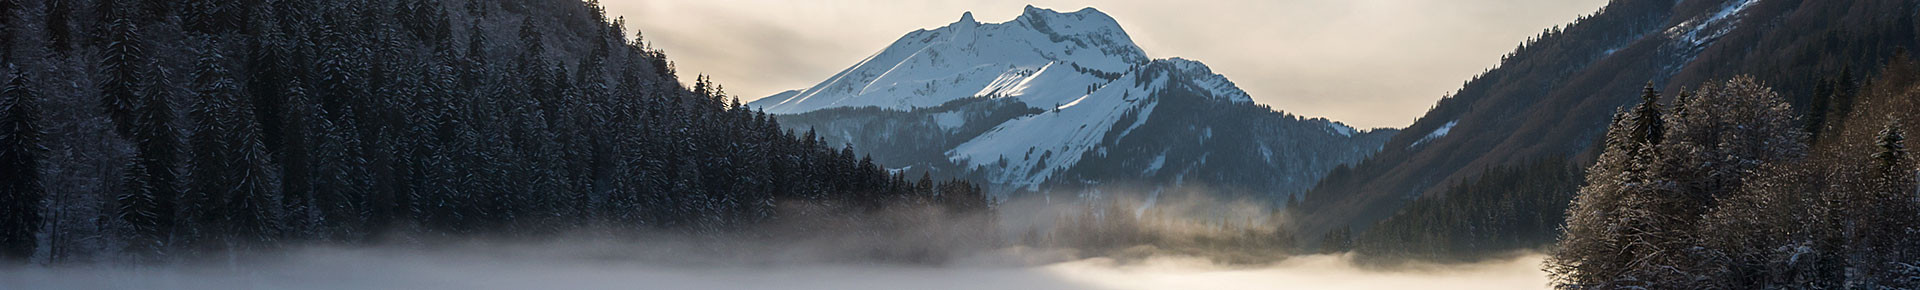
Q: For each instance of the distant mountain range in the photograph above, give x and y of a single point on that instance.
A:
(1052, 102)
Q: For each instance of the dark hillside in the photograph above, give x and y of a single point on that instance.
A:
(1552, 98)
(163, 130)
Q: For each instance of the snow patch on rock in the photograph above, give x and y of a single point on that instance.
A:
(1436, 134)
(1703, 30)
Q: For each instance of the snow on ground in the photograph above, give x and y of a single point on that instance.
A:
(1698, 32)
(1158, 162)
(1050, 87)
(1437, 133)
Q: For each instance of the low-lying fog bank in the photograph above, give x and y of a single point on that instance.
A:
(521, 267)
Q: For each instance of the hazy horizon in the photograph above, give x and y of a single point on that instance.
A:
(1316, 58)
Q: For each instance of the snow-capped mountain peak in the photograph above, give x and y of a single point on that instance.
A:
(930, 67)
(1087, 90)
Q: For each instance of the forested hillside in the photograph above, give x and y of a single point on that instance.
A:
(1552, 98)
(154, 131)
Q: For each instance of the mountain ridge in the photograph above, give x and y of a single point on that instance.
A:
(1553, 97)
(1041, 102)
(1031, 42)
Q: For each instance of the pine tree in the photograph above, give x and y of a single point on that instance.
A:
(297, 141)
(1819, 107)
(235, 202)
(533, 50)
(138, 206)
(1891, 162)
(339, 193)
(209, 16)
(119, 90)
(254, 205)
(151, 185)
(1594, 248)
(59, 25)
(1648, 126)
(271, 70)
(338, 79)
(21, 194)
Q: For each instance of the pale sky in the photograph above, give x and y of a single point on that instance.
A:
(1369, 63)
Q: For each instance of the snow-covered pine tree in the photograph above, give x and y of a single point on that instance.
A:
(240, 205)
(1649, 128)
(536, 82)
(426, 123)
(298, 138)
(21, 193)
(1892, 163)
(211, 157)
(1593, 251)
(151, 183)
(474, 63)
(338, 72)
(271, 65)
(121, 64)
(468, 190)
(137, 206)
(340, 193)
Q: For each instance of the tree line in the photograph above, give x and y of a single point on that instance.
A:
(1504, 210)
(154, 131)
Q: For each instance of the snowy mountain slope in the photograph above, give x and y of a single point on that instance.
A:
(1091, 92)
(1038, 146)
(1040, 49)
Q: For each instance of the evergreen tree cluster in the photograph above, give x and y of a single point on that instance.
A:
(1505, 209)
(1722, 190)
(360, 121)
